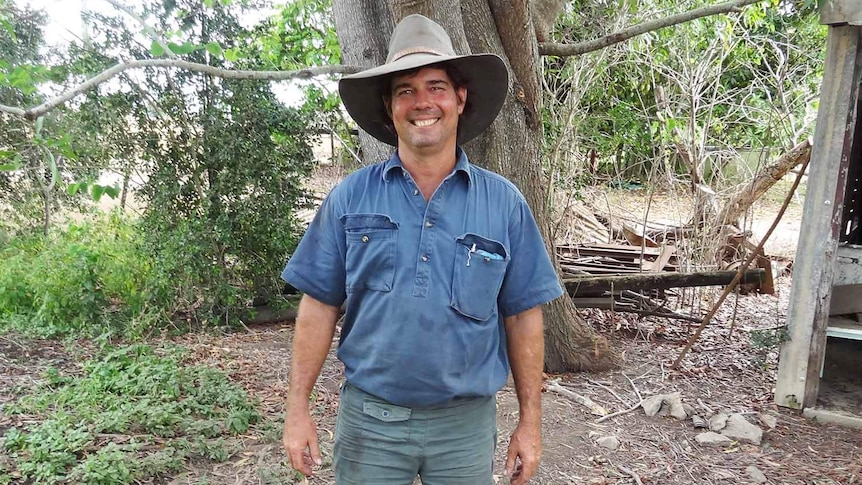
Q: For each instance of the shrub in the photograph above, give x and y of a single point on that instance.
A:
(87, 278)
(136, 396)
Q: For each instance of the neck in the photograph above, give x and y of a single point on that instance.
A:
(428, 169)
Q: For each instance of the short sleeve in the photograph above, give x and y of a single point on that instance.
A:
(317, 266)
(530, 277)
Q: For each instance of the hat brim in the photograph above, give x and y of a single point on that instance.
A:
(485, 76)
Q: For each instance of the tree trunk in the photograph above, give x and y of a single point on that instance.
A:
(741, 201)
(511, 146)
(363, 29)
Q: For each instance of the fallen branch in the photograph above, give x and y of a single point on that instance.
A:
(611, 391)
(632, 474)
(741, 271)
(740, 202)
(594, 408)
(619, 413)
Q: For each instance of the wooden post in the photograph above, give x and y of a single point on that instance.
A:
(802, 355)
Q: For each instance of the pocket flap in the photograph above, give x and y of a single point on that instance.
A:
(386, 412)
(487, 247)
(355, 222)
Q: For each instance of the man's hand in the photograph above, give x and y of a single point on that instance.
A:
(525, 450)
(300, 442)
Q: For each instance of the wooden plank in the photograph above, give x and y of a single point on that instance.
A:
(846, 299)
(617, 248)
(848, 266)
(596, 285)
(802, 354)
(667, 251)
(844, 328)
(833, 417)
(835, 12)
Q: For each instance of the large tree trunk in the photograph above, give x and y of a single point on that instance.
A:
(512, 145)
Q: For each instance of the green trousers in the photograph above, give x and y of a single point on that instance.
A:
(378, 443)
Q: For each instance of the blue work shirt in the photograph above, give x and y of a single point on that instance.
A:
(427, 284)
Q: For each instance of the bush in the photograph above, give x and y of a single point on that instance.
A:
(100, 427)
(88, 278)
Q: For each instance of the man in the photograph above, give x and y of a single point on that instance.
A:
(443, 271)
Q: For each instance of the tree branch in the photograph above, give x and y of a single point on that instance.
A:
(563, 50)
(33, 113)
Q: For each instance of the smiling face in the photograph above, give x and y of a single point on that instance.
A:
(425, 106)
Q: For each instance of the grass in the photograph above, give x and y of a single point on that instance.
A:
(132, 414)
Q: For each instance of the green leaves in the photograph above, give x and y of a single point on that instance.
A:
(96, 191)
(156, 392)
(156, 49)
(10, 161)
(214, 48)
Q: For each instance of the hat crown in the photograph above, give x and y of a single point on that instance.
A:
(417, 34)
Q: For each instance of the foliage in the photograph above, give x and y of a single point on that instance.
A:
(134, 413)
(89, 278)
(226, 165)
(699, 90)
(766, 343)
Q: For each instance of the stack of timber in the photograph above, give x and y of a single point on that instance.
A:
(598, 259)
(627, 278)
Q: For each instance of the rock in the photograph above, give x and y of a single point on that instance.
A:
(717, 422)
(768, 420)
(698, 421)
(689, 410)
(665, 404)
(652, 404)
(738, 428)
(712, 439)
(610, 442)
(755, 474)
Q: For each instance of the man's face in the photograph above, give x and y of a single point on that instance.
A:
(425, 106)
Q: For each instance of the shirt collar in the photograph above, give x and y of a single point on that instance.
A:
(462, 164)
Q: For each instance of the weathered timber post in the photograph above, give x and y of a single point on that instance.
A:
(801, 357)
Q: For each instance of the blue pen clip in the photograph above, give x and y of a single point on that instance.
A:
(489, 256)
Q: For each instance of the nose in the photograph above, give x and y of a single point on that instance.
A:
(421, 101)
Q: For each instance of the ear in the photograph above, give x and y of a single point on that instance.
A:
(462, 99)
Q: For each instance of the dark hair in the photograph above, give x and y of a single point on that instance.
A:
(385, 85)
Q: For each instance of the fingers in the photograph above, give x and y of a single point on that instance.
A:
(300, 444)
(511, 457)
(314, 449)
(526, 470)
(300, 461)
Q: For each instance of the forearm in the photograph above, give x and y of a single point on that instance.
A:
(526, 346)
(314, 329)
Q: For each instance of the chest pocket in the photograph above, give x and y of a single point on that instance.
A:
(371, 242)
(480, 265)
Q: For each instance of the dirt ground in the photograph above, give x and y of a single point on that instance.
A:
(725, 372)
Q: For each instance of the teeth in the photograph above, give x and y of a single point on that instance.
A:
(424, 122)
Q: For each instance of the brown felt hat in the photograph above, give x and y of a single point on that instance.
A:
(416, 42)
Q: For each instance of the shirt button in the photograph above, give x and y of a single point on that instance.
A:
(365, 238)
(429, 224)
(415, 191)
(424, 258)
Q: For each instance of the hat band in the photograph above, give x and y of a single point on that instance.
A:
(415, 50)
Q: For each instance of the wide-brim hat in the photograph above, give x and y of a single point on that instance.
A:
(416, 42)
